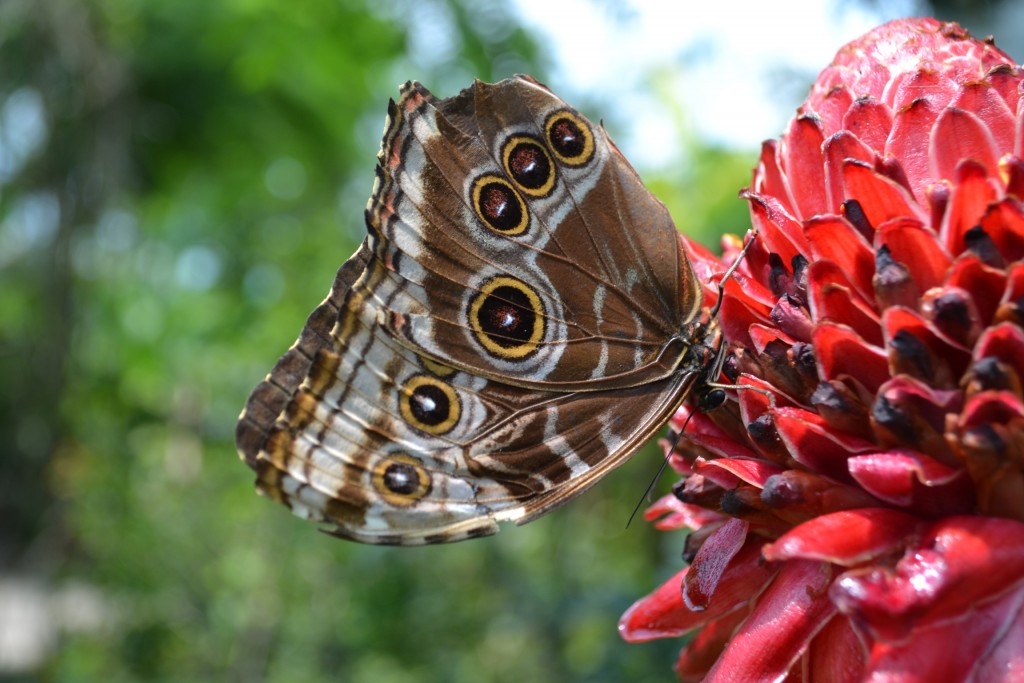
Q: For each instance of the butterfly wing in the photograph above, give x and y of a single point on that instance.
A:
(354, 430)
(522, 245)
(460, 374)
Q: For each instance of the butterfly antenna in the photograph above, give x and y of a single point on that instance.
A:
(730, 271)
(661, 470)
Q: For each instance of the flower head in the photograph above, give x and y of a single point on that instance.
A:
(859, 508)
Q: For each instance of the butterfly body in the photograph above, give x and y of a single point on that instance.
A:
(520, 318)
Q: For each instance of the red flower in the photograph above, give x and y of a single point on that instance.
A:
(859, 513)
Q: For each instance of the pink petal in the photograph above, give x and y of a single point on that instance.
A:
(845, 538)
(959, 565)
(746, 303)
(831, 299)
(991, 407)
(802, 160)
(705, 265)
(756, 264)
(838, 149)
(956, 650)
(763, 335)
(913, 480)
(836, 654)
(889, 167)
(663, 614)
(933, 404)
(870, 120)
(908, 142)
(1006, 82)
(984, 102)
(673, 513)
(1004, 342)
(938, 195)
(792, 319)
(777, 633)
(843, 354)
(750, 470)
(1007, 311)
(771, 181)
(1004, 661)
(960, 135)
(830, 107)
(697, 422)
(720, 476)
(865, 68)
(980, 281)
(701, 652)
(814, 444)
(1011, 171)
(948, 358)
(881, 198)
(1004, 223)
(720, 446)
(803, 495)
(711, 562)
(913, 413)
(832, 238)
(972, 193)
(918, 248)
(779, 231)
(754, 403)
(924, 84)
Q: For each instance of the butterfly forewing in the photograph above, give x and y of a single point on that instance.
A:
(593, 269)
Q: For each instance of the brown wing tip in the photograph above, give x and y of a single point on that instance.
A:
(270, 398)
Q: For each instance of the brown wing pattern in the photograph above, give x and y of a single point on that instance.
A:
(598, 251)
(510, 330)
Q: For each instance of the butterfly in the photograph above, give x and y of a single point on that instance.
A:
(520, 318)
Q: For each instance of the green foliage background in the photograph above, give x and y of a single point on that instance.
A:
(200, 175)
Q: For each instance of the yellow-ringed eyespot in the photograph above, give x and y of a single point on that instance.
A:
(529, 165)
(507, 318)
(499, 206)
(570, 138)
(429, 404)
(401, 479)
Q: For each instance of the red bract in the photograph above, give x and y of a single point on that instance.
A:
(859, 509)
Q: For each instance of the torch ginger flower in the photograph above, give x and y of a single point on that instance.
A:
(859, 515)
